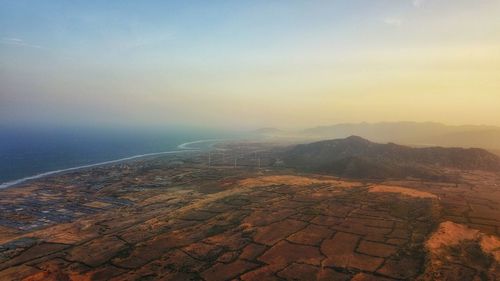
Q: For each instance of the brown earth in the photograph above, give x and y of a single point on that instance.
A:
(221, 223)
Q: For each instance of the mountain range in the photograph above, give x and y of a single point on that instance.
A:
(407, 133)
(360, 158)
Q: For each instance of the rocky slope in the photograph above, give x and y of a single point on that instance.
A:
(358, 157)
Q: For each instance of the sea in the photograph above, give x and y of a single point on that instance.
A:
(33, 152)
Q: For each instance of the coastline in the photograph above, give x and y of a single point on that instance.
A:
(187, 145)
(184, 147)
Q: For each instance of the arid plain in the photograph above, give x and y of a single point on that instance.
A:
(245, 217)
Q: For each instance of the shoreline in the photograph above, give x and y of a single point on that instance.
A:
(185, 147)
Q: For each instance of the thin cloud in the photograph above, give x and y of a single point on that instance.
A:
(418, 3)
(393, 21)
(18, 42)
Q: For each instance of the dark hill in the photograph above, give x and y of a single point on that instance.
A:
(413, 133)
(358, 157)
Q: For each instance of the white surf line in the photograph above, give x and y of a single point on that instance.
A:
(187, 145)
(41, 175)
(184, 146)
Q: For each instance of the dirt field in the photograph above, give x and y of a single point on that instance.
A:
(200, 223)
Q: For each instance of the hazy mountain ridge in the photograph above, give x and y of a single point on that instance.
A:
(415, 133)
(407, 133)
(267, 131)
(358, 157)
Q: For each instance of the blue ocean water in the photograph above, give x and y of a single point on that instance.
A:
(26, 152)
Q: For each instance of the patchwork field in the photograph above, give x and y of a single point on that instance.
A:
(150, 220)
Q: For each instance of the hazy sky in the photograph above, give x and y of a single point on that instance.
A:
(249, 63)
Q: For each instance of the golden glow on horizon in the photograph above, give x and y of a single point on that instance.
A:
(435, 61)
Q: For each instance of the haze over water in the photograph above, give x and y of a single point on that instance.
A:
(250, 140)
(27, 152)
(120, 68)
(249, 63)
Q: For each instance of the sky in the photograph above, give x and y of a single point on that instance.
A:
(249, 64)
